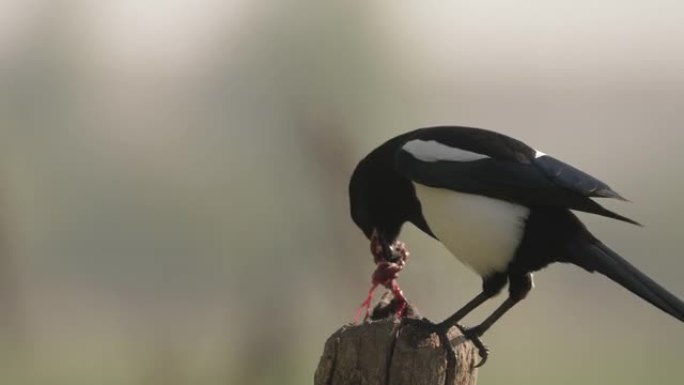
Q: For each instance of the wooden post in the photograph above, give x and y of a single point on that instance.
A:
(390, 353)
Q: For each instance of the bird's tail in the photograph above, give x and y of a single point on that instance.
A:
(598, 257)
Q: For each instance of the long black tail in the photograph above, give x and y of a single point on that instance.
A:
(598, 257)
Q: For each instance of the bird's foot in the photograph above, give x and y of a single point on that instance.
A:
(426, 327)
(473, 335)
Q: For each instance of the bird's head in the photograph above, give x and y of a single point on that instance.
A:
(376, 216)
(380, 199)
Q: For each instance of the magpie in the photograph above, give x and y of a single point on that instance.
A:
(501, 207)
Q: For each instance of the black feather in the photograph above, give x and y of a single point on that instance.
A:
(595, 256)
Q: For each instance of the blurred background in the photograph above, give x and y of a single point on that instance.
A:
(173, 175)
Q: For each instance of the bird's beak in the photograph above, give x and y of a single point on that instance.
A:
(379, 247)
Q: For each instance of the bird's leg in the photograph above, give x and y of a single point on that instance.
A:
(462, 312)
(444, 326)
(520, 285)
(491, 286)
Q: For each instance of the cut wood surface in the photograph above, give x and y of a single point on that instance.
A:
(391, 353)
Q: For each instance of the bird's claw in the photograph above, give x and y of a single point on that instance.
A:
(473, 335)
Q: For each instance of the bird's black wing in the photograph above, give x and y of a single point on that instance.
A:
(573, 179)
(505, 169)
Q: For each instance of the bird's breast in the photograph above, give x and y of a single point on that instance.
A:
(483, 233)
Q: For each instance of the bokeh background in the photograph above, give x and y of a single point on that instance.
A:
(173, 178)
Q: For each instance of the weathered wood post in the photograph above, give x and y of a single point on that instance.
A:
(391, 353)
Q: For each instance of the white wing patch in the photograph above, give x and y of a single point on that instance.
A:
(538, 154)
(434, 151)
(483, 233)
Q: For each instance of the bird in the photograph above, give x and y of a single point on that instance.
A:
(501, 207)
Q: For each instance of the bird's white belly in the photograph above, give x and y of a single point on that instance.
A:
(481, 232)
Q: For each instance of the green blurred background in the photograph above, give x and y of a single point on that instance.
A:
(173, 178)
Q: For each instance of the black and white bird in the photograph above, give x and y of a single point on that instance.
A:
(501, 207)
